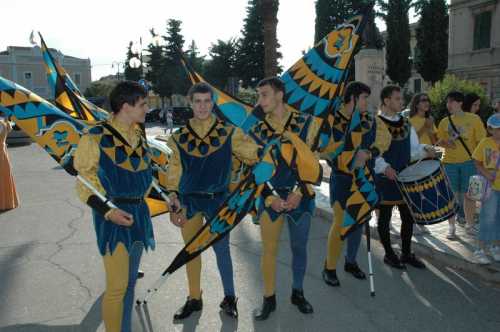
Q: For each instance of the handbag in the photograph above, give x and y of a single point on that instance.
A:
(479, 187)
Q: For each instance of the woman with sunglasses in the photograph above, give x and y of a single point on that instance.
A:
(421, 119)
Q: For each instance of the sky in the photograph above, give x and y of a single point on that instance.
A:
(101, 30)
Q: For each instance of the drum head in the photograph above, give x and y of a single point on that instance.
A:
(418, 170)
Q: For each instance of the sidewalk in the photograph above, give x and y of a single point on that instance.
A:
(435, 245)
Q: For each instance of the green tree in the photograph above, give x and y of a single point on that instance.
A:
(222, 63)
(178, 81)
(250, 59)
(132, 74)
(431, 58)
(398, 52)
(156, 71)
(329, 14)
(269, 13)
(101, 88)
(193, 57)
(449, 83)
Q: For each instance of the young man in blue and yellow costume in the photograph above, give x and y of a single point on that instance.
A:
(198, 177)
(404, 148)
(295, 203)
(114, 158)
(346, 197)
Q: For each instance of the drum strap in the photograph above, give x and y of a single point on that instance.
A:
(459, 137)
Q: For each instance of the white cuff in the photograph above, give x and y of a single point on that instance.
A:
(380, 165)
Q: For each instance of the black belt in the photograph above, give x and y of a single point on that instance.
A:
(127, 200)
(205, 195)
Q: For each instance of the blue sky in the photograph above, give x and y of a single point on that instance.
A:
(101, 30)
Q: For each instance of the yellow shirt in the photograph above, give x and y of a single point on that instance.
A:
(418, 122)
(471, 130)
(86, 160)
(243, 147)
(488, 153)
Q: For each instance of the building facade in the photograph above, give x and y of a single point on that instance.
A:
(25, 66)
(474, 43)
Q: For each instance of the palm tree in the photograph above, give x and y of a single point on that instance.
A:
(269, 15)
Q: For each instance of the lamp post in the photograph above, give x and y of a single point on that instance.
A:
(117, 64)
(136, 49)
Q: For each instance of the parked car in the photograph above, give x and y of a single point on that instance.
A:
(18, 137)
(153, 115)
(180, 115)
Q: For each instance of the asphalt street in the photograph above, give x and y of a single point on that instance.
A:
(52, 279)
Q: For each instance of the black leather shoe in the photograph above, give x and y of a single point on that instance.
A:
(188, 308)
(228, 305)
(300, 301)
(413, 261)
(394, 262)
(330, 277)
(140, 274)
(354, 269)
(268, 306)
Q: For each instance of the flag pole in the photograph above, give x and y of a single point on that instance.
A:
(370, 266)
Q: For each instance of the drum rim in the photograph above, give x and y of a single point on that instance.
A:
(439, 170)
(447, 216)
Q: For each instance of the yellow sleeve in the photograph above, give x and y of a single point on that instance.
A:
(244, 147)
(382, 136)
(479, 130)
(415, 124)
(442, 131)
(86, 162)
(313, 131)
(478, 152)
(174, 170)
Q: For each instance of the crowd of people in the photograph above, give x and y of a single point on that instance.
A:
(115, 158)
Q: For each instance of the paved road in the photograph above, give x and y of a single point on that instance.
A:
(51, 275)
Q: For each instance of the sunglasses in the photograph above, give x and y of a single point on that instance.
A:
(424, 99)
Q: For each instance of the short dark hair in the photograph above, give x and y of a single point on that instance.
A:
(355, 89)
(387, 92)
(125, 92)
(275, 83)
(200, 87)
(455, 96)
(469, 99)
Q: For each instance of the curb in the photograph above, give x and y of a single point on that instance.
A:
(487, 273)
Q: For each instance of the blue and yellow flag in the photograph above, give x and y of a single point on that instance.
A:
(55, 131)
(66, 94)
(68, 98)
(314, 85)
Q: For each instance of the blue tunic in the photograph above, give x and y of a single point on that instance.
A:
(398, 156)
(124, 173)
(205, 169)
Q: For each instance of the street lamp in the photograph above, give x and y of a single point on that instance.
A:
(117, 64)
(136, 49)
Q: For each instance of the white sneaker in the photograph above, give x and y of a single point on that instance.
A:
(495, 253)
(471, 230)
(479, 257)
(451, 232)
